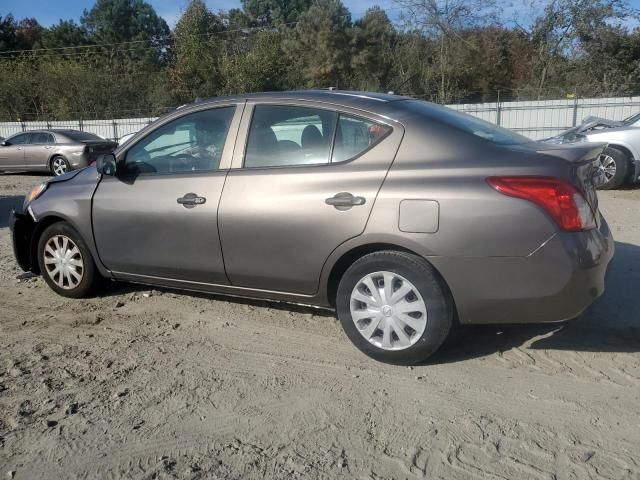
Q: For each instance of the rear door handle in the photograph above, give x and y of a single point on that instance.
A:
(344, 201)
(191, 200)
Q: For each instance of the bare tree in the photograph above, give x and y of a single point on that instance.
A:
(443, 21)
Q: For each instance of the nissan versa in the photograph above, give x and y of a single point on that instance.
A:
(403, 215)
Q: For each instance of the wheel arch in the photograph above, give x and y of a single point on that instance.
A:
(346, 259)
(45, 222)
(54, 155)
(38, 229)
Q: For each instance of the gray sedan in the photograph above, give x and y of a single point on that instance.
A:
(403, 216)
(56, 151)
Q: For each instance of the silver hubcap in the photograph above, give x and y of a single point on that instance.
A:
(63, 261)
(388, 310)
(59, 166)
(608, 166)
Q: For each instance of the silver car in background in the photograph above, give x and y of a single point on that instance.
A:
(620, 161)
(55, 151)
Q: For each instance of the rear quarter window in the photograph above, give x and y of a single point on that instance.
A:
(355, 135)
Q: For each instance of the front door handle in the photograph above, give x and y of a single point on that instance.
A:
(344, 201)
(191, 200)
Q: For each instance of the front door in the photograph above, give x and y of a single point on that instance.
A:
(306, 183)
(38, 151)
(12, 154)
(158, 216)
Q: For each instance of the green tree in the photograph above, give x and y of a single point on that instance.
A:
(197, 53)
(64, 34)
(319, 46)
(133, 21)
(373, 41)
(270, 12)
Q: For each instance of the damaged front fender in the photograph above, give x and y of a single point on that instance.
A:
(22, 227)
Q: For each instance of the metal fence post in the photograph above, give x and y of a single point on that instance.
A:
(575, 107)
(23, 126)
(115, 131)
(498, 110)
(81, 125)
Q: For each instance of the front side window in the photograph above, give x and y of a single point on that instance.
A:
(283, 135)
(41, 138)
(356, 135)
(19, 139)
(190, 143)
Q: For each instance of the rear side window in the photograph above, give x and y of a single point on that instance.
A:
(355, 135)
(41, 138)
(282, 135)
(289, 135)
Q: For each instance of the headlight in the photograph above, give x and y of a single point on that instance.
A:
(35, 193)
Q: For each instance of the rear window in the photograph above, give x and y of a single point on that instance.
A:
(80, 136)
(468, 123)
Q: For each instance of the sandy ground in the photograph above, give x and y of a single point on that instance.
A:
(145, 384)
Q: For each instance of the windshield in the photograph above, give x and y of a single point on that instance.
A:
(632, 119)
(468, 123)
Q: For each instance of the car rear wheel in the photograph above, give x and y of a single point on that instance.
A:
(614, 164)
(65, 262)
(59, 166)
(394, 307)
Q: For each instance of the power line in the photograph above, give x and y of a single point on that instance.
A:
(170, 37)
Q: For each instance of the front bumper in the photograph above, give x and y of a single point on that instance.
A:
(21, 226)
(636, 171)
(556, 282)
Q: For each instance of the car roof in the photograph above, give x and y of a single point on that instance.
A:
(363, 100)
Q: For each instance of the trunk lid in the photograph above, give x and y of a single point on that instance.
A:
(96, 148)
(585, 166)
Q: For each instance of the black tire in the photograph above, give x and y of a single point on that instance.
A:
(58, 158)
(90, 276)
(622, 163)
(439, 304)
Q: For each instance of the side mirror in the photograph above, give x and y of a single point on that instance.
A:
(5, 143)
(106, 164)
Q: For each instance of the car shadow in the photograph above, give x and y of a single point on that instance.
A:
(6, 204)
(611, 324)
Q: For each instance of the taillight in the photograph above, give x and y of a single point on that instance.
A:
(561, 200)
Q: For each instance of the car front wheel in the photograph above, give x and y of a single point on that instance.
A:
(614, 164)
(394, 307)
(65, 262)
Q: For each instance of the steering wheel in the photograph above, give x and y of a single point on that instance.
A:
(181, 162)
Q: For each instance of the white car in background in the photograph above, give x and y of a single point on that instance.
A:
(620, 161)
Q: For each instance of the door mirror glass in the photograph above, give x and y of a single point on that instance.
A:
(106, 164)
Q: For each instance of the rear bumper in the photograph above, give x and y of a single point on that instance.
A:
(556, 282)
(79, 161)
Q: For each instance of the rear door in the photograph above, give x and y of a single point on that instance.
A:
(305, 183)
(38, 151)
(158, 217)
(12, 155)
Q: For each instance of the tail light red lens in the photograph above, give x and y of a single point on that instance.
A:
(561, 200)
